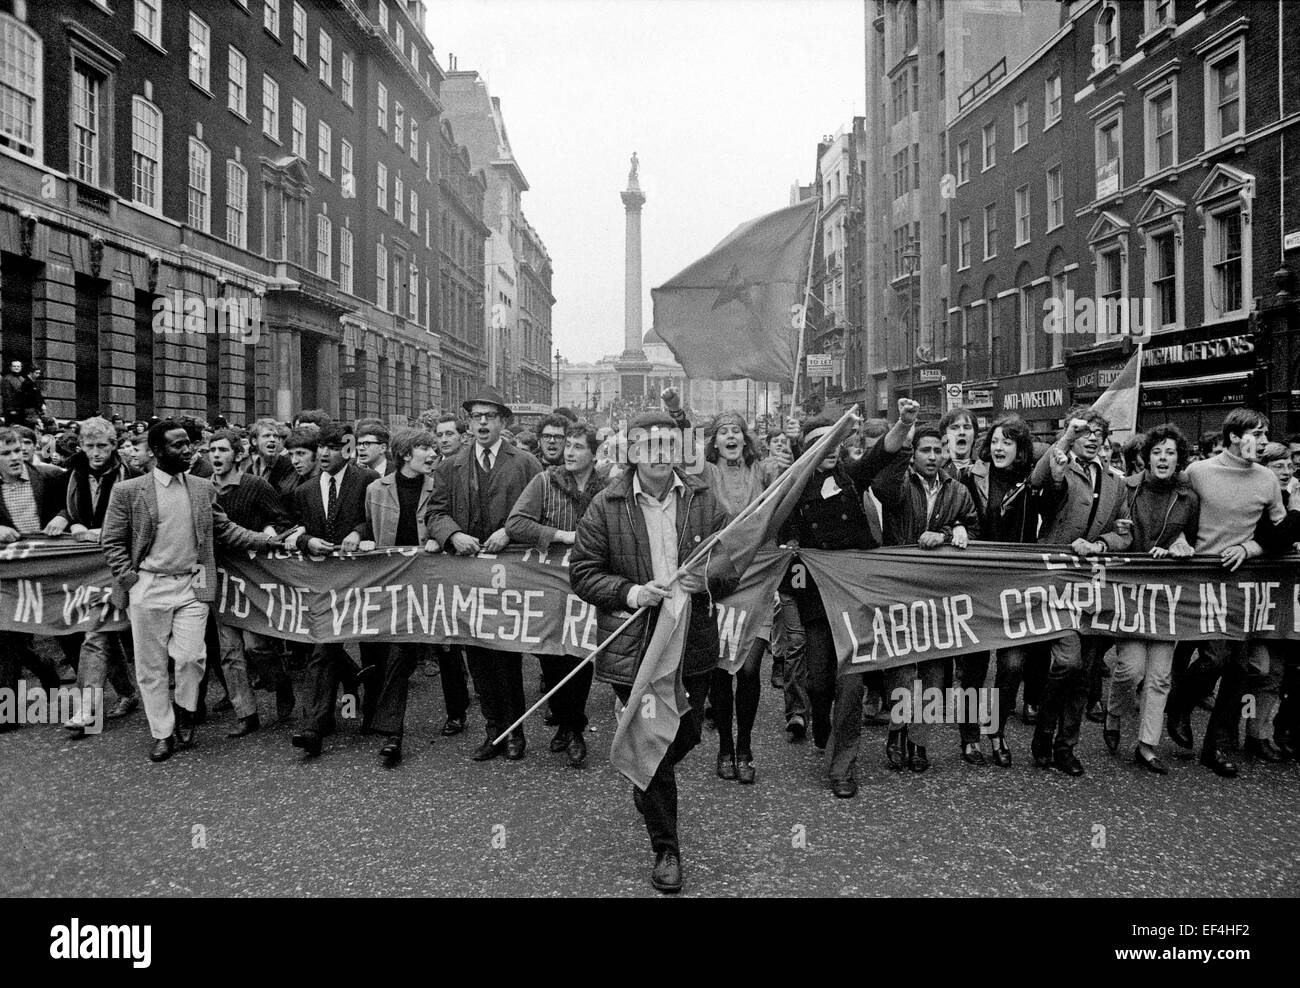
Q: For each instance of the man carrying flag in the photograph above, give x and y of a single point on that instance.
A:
(629, 545)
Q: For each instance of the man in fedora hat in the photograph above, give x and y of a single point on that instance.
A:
(474, 491)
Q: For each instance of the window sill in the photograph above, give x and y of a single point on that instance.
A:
(1231, 317)
(1023, 243)
(150, 42)
(300, 60)
(273, 139)
(1167, 174)
(203, 89)
(1048, 126)
(1057, 227)
(271, 34)
(236, 113)
(1110, 68)
(1158, 33)
(1234, 145)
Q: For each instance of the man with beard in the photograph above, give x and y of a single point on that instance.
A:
(253, 503)
(551, 431)
(93, 471)
(158, 536)
(547, 514)
(474, 492)
(830, 515)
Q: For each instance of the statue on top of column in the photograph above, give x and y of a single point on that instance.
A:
(632, 182)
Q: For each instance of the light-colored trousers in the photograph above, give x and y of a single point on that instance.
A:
(167, 621)
(1151, 662)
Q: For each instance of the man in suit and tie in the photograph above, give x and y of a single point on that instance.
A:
(330, 512)
(158, 536)
(474, 492)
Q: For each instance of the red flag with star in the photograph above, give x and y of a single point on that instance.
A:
(728, 315)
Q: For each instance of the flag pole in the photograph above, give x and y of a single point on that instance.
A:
(703, 549)
(807, 296)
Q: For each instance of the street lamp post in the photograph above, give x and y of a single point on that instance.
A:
(587, 378)
(911, 259)
(557, 375)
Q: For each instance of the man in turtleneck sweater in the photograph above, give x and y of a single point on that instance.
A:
(1236, 493)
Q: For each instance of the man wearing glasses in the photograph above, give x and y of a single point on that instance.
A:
(372, 447)
(550, 440)
(1084, 507)
(474, 492)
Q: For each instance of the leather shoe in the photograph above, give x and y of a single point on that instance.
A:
(796, 727)
(1264, 749)
(1180, 729)
(1216, 760)
(1066, 761)
(894, 750)
(247, 725)
(185, 727)
(577, 750)
(487, 751)
(453, 726)
(1029, 715)
(1001, 753)
(745, 771)
(515, 745)
(1286, 747)
(726, 766)
(1097, 712)
(391, 753)
(971, 754)
(163, 749)
(916, 759)
(667, 873)
(844, 788)
(308, 741)
(125, 705)
(1112, 740)
(561, 740)
(1150, 760)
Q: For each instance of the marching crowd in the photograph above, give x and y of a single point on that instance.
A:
(159, 495)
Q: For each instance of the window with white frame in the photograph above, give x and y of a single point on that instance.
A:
(399, 124)
(346, 177)
(200, 52)
(299, 33)
(413, 144)
(1158, 13)
(413, 210)
(237, 91)
(325, 58)
(200, 186)
(324, 246)
(1110, 289)
(148, 20)
(399, 35)
(1051, 100)
(1025, 324)
(1106, 37)
(1109, 156)
(1022, 215)
(1163, 264)
(1161, 129)
(381, 186)
(345, 76)
(428, 231)
(271, 17)
(381, 276)
(383, 14)
(345, 259)
(236, 204)
(87, 123)
(21, 71)
(146, 153)
(989, 136)
(990, 231)
(1055, 198)
(381, 107)
(413, 293)
(963, 243)
(1059, 286)
(298, 130)
(324, 150)
(399, 197)
(1224, 75)
(1226, 249)
(415, 57)
(963, 162)
(270, 107)
(1021, 114)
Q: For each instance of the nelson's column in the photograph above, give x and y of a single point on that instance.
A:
(631, 364)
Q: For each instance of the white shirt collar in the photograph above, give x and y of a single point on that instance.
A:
(494, 449)
(165, 478)
(325, 479)
(24, 479)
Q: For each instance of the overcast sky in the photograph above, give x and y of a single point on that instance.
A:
(724, 101)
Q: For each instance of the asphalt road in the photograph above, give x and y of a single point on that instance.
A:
(251, 817)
